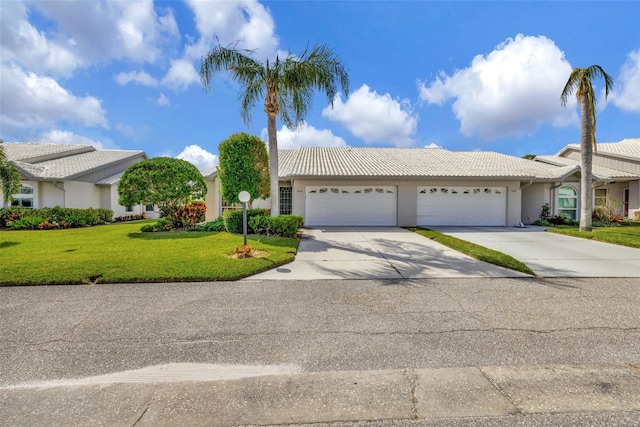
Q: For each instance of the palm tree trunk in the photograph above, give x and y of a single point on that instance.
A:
(273, 165)
(586, 158)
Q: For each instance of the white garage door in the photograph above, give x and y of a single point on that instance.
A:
(445, 205)
(351, 205)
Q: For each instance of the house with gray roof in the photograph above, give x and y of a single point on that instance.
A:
(72, 176)
(332, 186)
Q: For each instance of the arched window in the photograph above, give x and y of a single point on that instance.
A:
(24, 197)
(568, 202)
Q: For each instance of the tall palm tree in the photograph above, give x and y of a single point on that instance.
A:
(580, 83)
(286, 86)
(9, 177)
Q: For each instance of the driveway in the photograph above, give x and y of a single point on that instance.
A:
(554, 255)
(377, 253)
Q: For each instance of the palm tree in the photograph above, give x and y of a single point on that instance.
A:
(287, 87)
(580, 83)
(9, 177)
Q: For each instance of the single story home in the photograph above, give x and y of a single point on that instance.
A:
(72, 176)
(332, 186)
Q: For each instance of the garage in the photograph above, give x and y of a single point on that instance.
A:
(446, 205)
(373, 205)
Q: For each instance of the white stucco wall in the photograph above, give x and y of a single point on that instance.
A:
(50, 196)
(81, 195)
(533, 197)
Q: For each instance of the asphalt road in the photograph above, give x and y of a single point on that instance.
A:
(71, 332)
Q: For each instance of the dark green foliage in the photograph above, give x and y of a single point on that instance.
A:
(166, 182)
(529, 156)
(162, 224)
(71, 216)
(233, 219)
(244, 166)
(26, 223)
(215, 225)
(281, 226)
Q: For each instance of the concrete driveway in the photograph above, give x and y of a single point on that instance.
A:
(377, 253)
(554, 255)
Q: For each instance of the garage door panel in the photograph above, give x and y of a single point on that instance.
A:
(461, 206)
(351, 205)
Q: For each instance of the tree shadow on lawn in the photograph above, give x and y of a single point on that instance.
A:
(8, 244)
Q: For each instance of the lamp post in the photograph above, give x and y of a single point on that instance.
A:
(244, 197)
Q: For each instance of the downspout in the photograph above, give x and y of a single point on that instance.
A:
(64, 193)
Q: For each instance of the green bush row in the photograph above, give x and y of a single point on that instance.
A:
(71, 216)
(283, 225)
(258, 222)
(233, 220)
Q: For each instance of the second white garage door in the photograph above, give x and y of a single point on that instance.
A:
(462, 206)
(351, 205)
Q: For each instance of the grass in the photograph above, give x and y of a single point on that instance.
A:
(625, 235)
(120, 253)
(475, 251)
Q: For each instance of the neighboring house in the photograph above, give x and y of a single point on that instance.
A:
(425, 186)
(72, 176)
(616, 174)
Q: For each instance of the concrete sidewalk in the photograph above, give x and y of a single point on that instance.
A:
(377, 253)
(554, 255)
(346, 396)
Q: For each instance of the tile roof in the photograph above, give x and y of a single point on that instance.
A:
(411, 163)
(62, 161)
(629, 148)
(599, 172)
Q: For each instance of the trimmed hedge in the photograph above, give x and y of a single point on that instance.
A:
(71, 217)
(233, 220)
(215, 225)
(282, 226)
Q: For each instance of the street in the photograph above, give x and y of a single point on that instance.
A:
(66, 333)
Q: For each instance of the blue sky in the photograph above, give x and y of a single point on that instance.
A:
(458, 75)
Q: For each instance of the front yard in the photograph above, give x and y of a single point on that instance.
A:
(121, 253)
(626, 235)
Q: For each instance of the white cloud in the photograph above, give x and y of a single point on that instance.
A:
(124, 129)
(29, 101)
(508, 92)
(375, 118)
(163, 101)
(432, 145)
(305, 136)
(626, 95)
(65, 137)
(139, 77)
(201, 158)
(245, 24)
(112, 29)
(181, 75)
(246, 21)
(21, 42)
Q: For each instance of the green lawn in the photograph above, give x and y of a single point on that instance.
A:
(121, 253)
(475, 251)
(625, 235)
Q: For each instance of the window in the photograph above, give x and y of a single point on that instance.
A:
(286, 203)
(600, 197)
(230, 206)
(148, 208)
(24, 198)
(568, 202)
(128, 209)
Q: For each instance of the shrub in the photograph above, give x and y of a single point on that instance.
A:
(126, 218)
(608, 211)
(27, 223)
(215, 225)
(283, 225)
(545, 212)
(57, 214)
(163, 224)
(636, 216)
(190, 214)
(243, 251)
(233, 220)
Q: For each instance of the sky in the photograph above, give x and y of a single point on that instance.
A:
(457, 75)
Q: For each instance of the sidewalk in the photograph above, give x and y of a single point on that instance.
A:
(423, 394)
